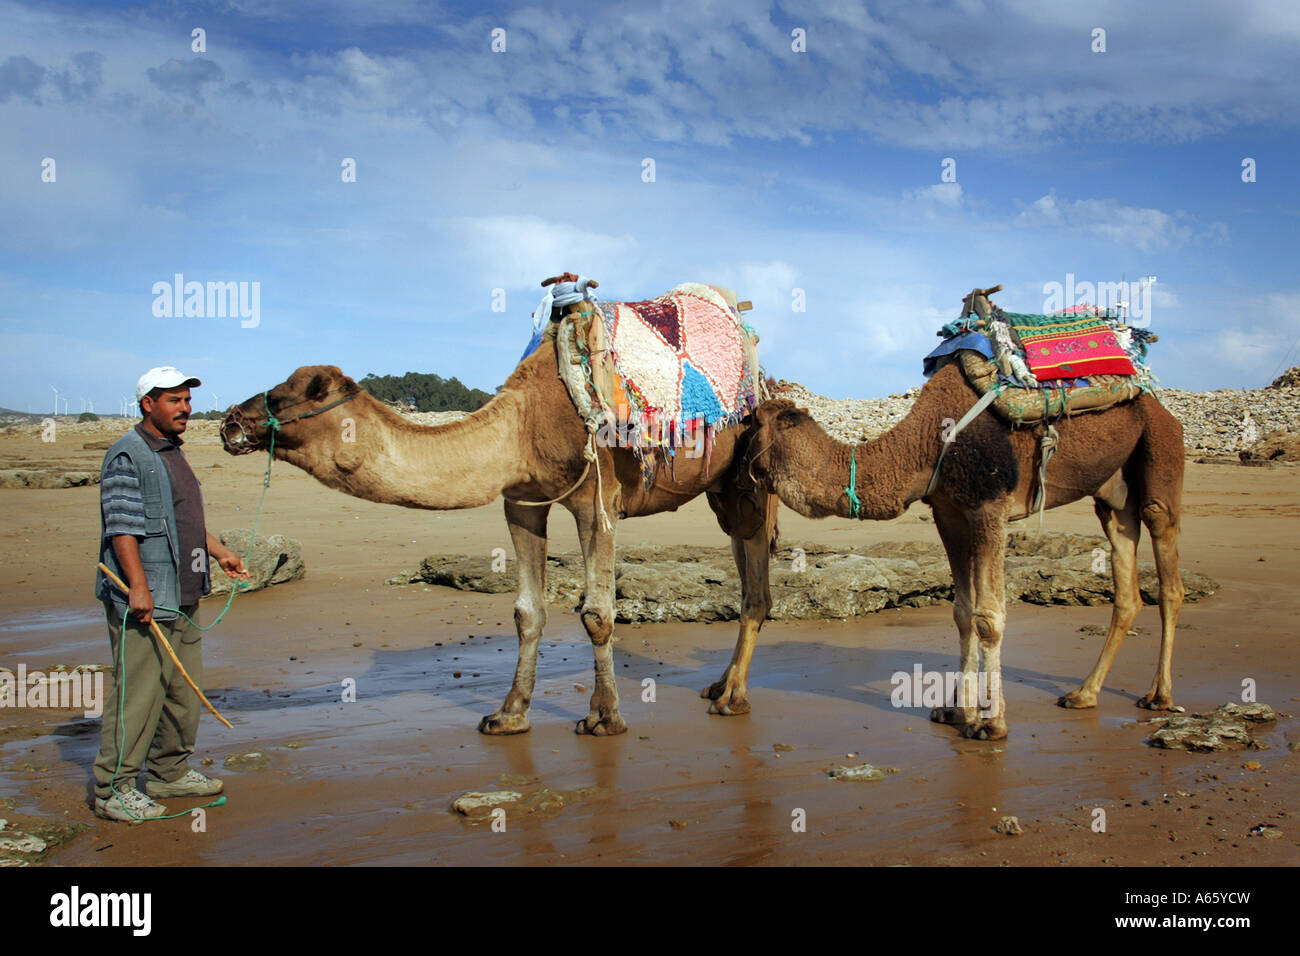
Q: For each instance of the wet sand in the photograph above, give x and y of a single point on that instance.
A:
(372, 781)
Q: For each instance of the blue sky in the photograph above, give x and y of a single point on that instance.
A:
(776, 170)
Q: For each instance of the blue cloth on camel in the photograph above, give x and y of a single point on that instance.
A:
(975, 341)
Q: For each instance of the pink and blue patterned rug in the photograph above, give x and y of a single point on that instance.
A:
(683, 358)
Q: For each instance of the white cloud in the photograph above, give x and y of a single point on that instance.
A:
(1132, 226)
(940, 194)
(508, 250)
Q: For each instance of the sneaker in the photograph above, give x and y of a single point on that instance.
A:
(193, 784)
(128, 806)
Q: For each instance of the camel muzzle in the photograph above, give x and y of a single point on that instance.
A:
(237, 433)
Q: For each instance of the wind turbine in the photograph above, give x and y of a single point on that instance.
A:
(56, 400)
(216, 403)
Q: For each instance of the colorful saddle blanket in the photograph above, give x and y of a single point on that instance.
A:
(1069, 346)
(1071, 362)
(684, 357)
(665, 373)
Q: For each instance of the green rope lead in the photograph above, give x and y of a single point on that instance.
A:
(236, 585)
(855, 506)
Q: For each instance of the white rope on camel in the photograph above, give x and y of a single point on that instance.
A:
(1047, 448)
(591, 455)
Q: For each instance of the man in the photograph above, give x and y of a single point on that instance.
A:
(154, 538)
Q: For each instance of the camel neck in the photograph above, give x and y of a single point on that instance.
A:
(371, 452)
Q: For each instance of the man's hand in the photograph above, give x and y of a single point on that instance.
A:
(127, 550)
(230, 562)
(141, 603)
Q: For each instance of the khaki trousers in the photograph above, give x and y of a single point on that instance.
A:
(156, 725)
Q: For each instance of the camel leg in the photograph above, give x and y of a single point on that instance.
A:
(1123, 527)
(729, 695)
(1162, 522)
(598, 618)
(955, 533)
(988, 612)
(528, 532)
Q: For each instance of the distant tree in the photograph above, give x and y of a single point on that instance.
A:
(426, 391)
(87, 417)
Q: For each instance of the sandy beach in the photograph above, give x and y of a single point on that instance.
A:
(372, 781)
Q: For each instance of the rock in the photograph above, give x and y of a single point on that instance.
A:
(274, 560)
(53, 478)
(1280, 445)
(15, 841)
(1009, 826)
(1288, 379)
(678, 824)
(477, 804)
(1266, 830)
(1224, 728)
(679, 583)
(246, 761)
(861, 772)
(1259, 713)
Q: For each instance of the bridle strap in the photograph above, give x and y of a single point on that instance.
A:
(276, 423)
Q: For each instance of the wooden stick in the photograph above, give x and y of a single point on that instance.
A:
(162, 642)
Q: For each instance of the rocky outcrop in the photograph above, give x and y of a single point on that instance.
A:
(1228, 727)
(47, 478)
(1280, 445)
(810, 581)
(274, 560)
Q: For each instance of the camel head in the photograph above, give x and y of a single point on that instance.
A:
(301, 404)
(788, 453)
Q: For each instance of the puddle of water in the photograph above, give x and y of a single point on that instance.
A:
(49, 620)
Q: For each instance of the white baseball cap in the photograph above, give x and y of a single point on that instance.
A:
(165, 377)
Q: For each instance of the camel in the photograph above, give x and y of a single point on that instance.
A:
(526, 444)
(1129, 458)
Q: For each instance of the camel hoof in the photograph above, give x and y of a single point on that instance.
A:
(1077, 700)
(729, 708)
(993, 728)
(957, 716)
(502, 725)
(601, 726)
(1157, 702)
(715, 690)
